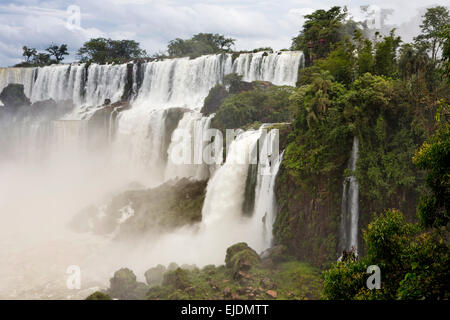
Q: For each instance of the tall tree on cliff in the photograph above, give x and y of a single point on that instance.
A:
(320, 30)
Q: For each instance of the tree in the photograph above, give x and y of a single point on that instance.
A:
(101, 50)
(414, 265)
(341, 62)
(385, 55)
(434, 156)
(434, 21)
(233, 82)
(446, 52)
(29, 53)
(365, 53)
(58, 52)
(42, 59)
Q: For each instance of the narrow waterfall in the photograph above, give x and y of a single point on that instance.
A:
(265, 203)
(350, 205)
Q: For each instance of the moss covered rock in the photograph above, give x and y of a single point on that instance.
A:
(241, 258)
(145, 211)
(177, 279)
(154, 276)
(13, 96)
(98, 296)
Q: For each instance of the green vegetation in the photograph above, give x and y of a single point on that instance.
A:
(321, 30)
(101, 50)
(265, 103)
(199, 44)
(244, 276)
(434, 156)
(414, 264)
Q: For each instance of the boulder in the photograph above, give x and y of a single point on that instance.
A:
(98, 296)
(275, 254)
(240, 258)
(13, 96)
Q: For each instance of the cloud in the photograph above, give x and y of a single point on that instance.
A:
(154, 23)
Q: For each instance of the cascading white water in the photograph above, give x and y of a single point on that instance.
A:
(182, 82)
(350, 205)
(225, 191)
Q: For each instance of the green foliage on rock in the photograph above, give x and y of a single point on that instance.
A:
(282, 278)
(214, 100)
(177, 278)
(169, 206)
(434, 156)
(102, 50)
(199, 44)
(98, 296)
(263, 105)
(241, 258)
(124, 286)
(320, 30)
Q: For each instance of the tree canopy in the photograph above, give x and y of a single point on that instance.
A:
(199, 44)
(101, 50)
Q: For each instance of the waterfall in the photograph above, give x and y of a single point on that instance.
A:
(350, 205)
(225, 191)
(69, 137)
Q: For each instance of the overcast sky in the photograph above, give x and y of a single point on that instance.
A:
(37, 23)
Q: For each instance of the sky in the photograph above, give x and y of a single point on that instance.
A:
(153, 23)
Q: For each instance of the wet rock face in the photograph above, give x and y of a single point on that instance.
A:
(13, 97)
(141, 212)
(214, 99)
